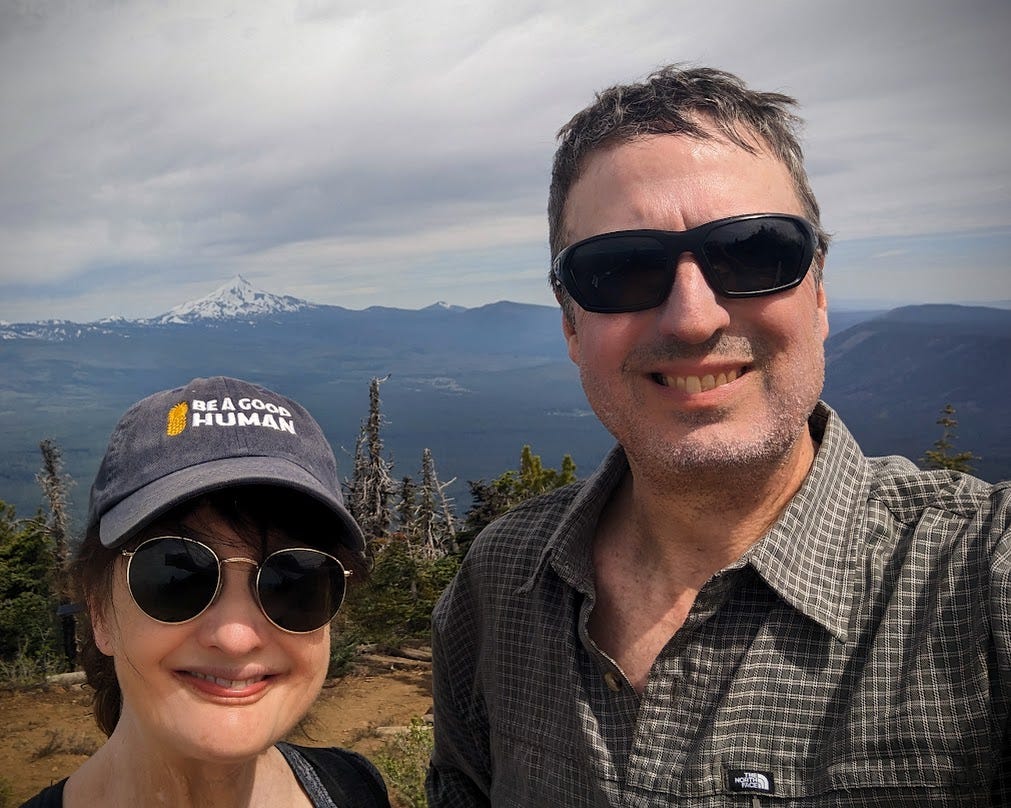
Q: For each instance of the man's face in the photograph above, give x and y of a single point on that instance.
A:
(700, 382)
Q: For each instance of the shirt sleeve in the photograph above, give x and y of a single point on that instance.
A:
(459, 774)
(1000, 628)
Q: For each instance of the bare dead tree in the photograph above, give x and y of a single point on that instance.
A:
(355, 499)
(371, 485)
(55, 485)
(426, 543)
(436, 526)
(407, 510)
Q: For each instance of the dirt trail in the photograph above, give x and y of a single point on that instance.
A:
(58, 718)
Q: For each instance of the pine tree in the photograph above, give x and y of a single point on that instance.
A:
(55, 487)
(491, 500)
(407, 510)
(425, 518)
(446, 508)
(942, 455)
(371, 485)
(436, 530)
(27, 604)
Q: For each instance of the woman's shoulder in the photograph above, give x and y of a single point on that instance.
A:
(347, 776)
(50, 797)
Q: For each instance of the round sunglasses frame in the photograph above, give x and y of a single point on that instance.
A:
(677, 242)
(254, 581)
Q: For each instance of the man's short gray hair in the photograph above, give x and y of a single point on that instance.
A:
(696, 102)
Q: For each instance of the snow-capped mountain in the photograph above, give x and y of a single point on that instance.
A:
(49, 330)
(237, 299)
(442, 305)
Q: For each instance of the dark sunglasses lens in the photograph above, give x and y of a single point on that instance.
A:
(173, 580)
(300, 590)
(624, 273)
(757, 255)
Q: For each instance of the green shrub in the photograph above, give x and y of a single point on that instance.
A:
(344, 641)
(404, 762)
(28, 623)
(396, 603)
(27, 626)
(23, 669)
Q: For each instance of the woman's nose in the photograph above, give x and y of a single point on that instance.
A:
(235, 623)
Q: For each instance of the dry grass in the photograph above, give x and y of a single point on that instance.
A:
(6, 794)
(59, 742)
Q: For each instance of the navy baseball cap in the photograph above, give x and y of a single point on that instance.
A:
(213, 433)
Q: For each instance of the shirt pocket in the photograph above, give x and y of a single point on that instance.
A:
(530, 772)
(937, 780)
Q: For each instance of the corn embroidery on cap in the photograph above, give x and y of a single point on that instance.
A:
(213, 433)
(177, 419)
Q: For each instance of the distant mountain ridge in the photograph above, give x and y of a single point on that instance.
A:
(889, 376)
(236, 301)
(473, 385)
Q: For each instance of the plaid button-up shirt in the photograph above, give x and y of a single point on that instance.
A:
(858, 655)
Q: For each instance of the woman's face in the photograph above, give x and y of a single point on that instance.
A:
(224, 686)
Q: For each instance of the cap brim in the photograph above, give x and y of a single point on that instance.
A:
(146, 504)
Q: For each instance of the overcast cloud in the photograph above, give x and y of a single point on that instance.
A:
(397, 153)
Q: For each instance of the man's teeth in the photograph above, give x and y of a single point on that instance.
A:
(231, 684)
(698, 384)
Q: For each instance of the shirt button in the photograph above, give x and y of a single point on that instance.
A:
(613, 682)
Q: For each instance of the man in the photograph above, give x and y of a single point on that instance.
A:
(738, 607)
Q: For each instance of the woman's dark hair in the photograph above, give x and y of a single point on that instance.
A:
(255, 513)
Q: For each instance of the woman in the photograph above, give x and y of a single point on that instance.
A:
(216, 554)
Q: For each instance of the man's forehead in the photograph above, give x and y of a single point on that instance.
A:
(709, 139)
(622, 186)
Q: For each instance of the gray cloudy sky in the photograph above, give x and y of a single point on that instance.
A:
(396, 152)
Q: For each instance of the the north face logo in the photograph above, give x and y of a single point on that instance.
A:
(741, 780)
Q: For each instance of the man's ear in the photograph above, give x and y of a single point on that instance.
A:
(822, 299)
(571, 338)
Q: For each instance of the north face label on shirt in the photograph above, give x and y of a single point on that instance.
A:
(743, 780)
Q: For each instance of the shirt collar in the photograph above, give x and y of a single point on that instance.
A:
(807, 555)
(568, 547)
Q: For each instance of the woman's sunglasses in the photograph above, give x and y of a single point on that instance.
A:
(173, 579)
(741, 256)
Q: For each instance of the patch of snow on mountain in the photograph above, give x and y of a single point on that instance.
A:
(50, 330)
(442, 305)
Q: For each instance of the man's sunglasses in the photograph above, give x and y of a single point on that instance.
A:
(740, 256)
(173, 579)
